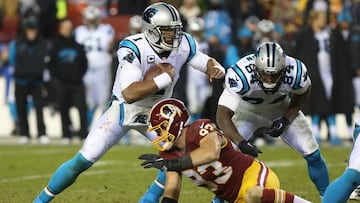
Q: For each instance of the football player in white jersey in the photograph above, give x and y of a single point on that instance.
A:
(340, 189)
(265, 92)
(132, 98)
(98, 39)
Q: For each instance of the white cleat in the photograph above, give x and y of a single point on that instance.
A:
(24, 140)
(355, 195)
(66, 141)
(43, 139)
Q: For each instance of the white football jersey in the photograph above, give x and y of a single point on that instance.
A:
(136, 52)
(97, 43)
(240, 80)
(254, 108)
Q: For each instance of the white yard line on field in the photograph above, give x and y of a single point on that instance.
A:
(6, 180)
(297, 162)
(92, 172)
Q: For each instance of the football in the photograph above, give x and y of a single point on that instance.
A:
(156, 70)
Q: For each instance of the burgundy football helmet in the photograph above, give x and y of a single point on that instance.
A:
(167, 119)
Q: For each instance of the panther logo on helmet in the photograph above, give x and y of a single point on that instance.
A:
(162, 26)
(167, 119)
(148, 14)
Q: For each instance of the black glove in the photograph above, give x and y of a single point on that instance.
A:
(155, 161)
(277, 127)
(247, 147)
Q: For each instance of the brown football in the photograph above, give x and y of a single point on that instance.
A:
(155, 70)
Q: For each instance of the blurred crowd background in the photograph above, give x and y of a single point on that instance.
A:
(324, 34)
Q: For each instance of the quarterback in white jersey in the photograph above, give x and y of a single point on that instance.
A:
(136, 56)
(264, 92)
(162, 40)
(98, 39)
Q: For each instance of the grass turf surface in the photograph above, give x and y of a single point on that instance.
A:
(118, 178)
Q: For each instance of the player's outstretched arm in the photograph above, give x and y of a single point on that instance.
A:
(214, 69)
(209, 150)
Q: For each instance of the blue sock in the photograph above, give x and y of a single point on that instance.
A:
(340, 189)
(331, 119)
(13, 111)
(44, 197)
(318, 171)
(29, 106)
(315, 119)
(90, 115)
(315, 122)
(64, 176)
(155, 191)
(356, 131)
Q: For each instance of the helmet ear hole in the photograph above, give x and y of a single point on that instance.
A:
(152, 35)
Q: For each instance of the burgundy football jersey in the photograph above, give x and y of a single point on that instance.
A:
(224, 176)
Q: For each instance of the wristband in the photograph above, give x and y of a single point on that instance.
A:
(180, 164)
(162, 80)
(186, 162)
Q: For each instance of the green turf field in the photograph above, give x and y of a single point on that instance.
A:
(118, 178)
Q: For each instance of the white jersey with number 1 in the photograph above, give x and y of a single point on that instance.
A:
(136, 56)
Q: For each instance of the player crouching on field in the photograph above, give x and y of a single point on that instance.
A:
(201, 152)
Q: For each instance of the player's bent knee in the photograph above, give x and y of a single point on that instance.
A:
(254, 194)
